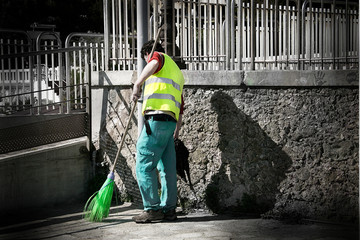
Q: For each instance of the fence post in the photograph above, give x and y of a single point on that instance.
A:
(298, 26)
(227, 35)
(88, 101)
(142, 37)
(253, 32)
(106, 33)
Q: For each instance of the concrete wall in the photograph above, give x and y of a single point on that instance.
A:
(43, 176)
(284, 143)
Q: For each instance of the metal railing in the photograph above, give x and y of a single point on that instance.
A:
(37, 75)
(33, 82)
(242, 35)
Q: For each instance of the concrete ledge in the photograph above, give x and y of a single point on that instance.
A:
(213, 78)
(44, 148)
(282, 78)
(113, 78)
(323, 78)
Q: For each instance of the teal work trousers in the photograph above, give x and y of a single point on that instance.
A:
(157, 151)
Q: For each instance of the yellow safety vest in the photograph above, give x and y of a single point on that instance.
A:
(162, 91)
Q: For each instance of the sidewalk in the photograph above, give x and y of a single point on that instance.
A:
(67, 224)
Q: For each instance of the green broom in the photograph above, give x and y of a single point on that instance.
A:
(97, 206)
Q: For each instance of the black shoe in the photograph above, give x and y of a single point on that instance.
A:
(149, 216)
(170, 215)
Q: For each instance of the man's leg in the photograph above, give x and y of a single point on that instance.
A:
(146, 171)
(150, 149)
(167, 171)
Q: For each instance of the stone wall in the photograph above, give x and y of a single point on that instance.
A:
(283, 151)
(291, 150)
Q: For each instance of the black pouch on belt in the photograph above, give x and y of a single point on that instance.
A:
(147, 126)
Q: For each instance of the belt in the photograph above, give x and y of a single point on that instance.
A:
(160, 117)
(157, 117)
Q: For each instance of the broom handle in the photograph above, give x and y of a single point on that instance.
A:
(156, 39)
(124, 136)
(132, 110)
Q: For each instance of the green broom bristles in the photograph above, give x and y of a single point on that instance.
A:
(97, 206)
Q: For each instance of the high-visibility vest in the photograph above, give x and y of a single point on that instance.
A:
(162, 91)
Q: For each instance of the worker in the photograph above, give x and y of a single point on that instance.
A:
(162, 108)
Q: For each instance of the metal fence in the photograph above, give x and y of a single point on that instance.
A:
(38, 75)
(242, 35)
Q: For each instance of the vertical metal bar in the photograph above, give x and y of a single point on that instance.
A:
(88, 103)
(276, 33)
(75, 79)
(310, 35)
(9, 71)
(240, 35)
(113, 45)
(207, 38)
(253, 33)
(287, 34)
(126, 33)
(2, 68)
(68, 80)
(227, 35)
(264, 27)
(61, 83)
(53, 74)
(232, 34)
(17, 76)
(92, 57)
(32, 97)
(193, 35)
(298, 23)
(258, 33)
(153, 31)
(106, 33)
(23, 74)
(38, 77)
(182, 34)
(199, 30)
(217, 36)
(280, 14)
(46, 76)
(347, 38)
(333, 32)
(81, 79)
(321, 42)
(173, 28)
(133, 63)
(248, 31)
(222, 34)
(142, 37)
(121, 51)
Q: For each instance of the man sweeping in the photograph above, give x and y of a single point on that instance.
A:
(162, 109)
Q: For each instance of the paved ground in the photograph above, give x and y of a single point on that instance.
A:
(67, 224)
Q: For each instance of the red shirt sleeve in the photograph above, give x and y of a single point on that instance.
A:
(160, 58)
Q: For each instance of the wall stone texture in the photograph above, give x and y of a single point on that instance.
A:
(282, 152)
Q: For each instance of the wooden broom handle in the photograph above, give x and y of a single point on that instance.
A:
(124, 136)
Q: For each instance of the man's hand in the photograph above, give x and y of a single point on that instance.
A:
(136, 94)
(178, 126)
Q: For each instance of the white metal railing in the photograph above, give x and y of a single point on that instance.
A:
(240, 35)
(34, 82)
(38, 75)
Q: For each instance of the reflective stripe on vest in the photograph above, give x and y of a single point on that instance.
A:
(163, 96)
(162, 80)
